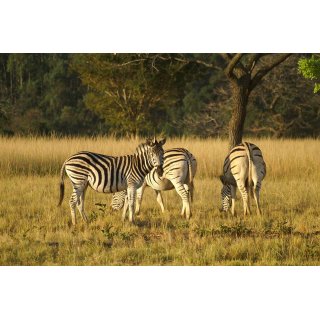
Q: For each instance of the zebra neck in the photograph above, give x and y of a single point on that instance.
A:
(142, 163)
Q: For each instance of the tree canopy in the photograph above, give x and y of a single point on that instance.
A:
(310, 69)
(130, 92)
(177, 94)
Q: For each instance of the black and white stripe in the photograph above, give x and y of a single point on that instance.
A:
(179, 169)
(110, 174)
(244, 168)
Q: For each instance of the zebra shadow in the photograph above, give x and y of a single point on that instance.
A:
(147, 224)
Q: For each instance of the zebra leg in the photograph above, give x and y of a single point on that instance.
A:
(249, 193)
(186, 186)
(185, 212)
(159, 199)
(139, 197)
(125, 208)
(244, 195)
(190, 197)
(131, 192)
(82, 192)
(256, 195)
(73, 202)
(191, 191)
(233, 199)
(248, 203)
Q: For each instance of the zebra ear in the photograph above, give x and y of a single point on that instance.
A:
(150, 142)
(163, 141)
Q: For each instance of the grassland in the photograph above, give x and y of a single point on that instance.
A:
(33, 231)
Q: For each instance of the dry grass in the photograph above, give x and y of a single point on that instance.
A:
(33, 231)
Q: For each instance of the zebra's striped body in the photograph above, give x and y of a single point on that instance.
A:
(179, 169)
(110, 174)
(244, 168)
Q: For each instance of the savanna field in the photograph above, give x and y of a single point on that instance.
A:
(34, 231)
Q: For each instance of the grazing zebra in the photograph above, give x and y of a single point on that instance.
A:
(110, 174)
(179, 169)
(244, 168)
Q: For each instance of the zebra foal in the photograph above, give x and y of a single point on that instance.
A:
(179, 169)
(244, 168)
(110, 174)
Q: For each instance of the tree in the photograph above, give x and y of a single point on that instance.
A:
(39, 94)
(282, 105)
(310, 69)
(131, 92)
(245, 72)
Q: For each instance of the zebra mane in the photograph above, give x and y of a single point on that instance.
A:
(141, 148)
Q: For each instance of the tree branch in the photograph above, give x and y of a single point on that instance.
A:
(197, 61)
(226, 56)
(263, 71)
(229, 70)
(129, 62)
(231, 65)
(253, 60)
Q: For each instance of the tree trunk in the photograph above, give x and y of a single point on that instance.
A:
(240, 95)
(243, 80)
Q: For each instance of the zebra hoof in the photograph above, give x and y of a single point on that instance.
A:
(188, 216)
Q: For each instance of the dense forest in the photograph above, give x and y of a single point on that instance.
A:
(124, 94)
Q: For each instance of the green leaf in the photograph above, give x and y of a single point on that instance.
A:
(316, 88)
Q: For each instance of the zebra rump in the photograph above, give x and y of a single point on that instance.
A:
(244, 167)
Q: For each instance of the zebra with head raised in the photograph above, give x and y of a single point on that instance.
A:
(110, 174)
(244, 168)
(179, 169)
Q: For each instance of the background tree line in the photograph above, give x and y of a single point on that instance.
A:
(177, 94)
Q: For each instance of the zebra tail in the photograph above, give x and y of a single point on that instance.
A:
(62, 174)
(190, 178)
(250, 182)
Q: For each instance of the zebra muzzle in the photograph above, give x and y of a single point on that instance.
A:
(159, 171)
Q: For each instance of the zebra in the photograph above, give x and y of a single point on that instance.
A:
(244, 168)
(110, 174)
(179, 169)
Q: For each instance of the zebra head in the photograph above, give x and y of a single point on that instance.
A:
(225, 194)
(155, 153)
